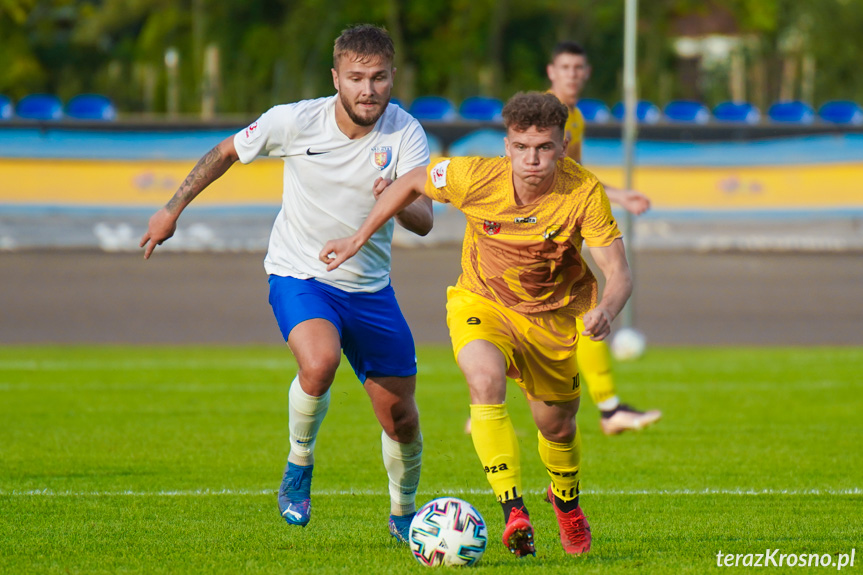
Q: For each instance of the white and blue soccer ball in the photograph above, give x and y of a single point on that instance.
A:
(628, 344)
(448, 531)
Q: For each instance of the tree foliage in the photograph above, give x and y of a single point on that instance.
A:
(273, 51)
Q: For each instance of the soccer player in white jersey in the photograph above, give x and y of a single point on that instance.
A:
(339, 153)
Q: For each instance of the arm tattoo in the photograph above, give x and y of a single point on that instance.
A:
(208, 168)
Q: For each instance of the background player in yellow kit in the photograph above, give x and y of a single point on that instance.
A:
(568, 72)
(524, 289)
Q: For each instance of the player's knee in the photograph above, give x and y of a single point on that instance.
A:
(559, 432)
(403, 425)
(317, 374)
(486, 388)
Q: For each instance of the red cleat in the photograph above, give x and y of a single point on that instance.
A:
(518, 534)
(574, 530)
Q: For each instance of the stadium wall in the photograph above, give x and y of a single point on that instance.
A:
(74, 188)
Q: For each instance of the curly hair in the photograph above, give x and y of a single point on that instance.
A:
(366, 41)
(539, 109)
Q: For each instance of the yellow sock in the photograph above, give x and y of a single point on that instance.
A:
(497, 447)
(594, 365)
(562, 460)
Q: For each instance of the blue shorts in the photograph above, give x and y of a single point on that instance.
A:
(375, 337)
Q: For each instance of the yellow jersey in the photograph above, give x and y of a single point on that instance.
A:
(526, 257)
(574, 128)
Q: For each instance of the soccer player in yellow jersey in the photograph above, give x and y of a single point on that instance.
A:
(525, 299)
(568, 72)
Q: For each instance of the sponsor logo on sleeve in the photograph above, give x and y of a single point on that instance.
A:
(382, 156)
(438, 174)
(252, 132)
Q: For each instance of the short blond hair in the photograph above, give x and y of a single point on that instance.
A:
(364, 41)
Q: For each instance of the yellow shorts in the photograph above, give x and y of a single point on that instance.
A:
(539, 348)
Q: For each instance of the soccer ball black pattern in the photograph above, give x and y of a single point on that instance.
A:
(448, 531)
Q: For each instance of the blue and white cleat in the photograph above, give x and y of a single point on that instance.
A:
(295, 494)
(400, 527)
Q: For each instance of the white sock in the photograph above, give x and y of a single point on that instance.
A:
(305, 415)
(609, 404)
(403, 462)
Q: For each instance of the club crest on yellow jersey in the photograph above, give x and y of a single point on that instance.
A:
(491, 228)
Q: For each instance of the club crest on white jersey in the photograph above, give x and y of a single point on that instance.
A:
(382, 156)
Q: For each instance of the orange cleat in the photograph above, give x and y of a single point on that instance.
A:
(518, 534)
(574, 530)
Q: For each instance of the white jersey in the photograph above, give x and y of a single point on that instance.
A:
(328, 186)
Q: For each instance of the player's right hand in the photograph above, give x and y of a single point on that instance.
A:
(337, 252)
(162, 226)
(380, 185)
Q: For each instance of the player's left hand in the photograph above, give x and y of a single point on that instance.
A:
(634, 202)
(597, 324)
(337, 252)
(380, 185)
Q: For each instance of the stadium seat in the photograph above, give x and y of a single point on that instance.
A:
(736, 112)
(481, 108)
(593, 110)
(5, 107)
(841, 112)
(91, 107)
(686, 111)
(397, 102)
(39, 107)
(432, 108)
(791, 112)
(646, 112)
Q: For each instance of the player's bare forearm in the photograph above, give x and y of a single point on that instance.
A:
(208, 169)
(417, 217)
(163, 223)
(618, 287)
(394, 199)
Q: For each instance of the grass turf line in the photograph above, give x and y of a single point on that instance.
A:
(90, 424)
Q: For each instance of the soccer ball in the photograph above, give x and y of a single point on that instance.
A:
(628, 344)
(448, 531)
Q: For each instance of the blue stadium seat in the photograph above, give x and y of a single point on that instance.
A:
(686, 111)
(6, 111)
(646, 112)
(841, 112)
(39, 107)
(737, 112)
(481, 108)
(397, 102)
(593, 110)
(432, 108)
(91, 107)
(791, 112)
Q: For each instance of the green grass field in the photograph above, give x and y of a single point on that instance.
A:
(166, 460)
